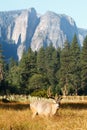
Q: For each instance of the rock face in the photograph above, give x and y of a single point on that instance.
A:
(18, 27)
(55, 29)
(22, 29)
(82, 34)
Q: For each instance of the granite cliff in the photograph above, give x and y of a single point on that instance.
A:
(22, 29)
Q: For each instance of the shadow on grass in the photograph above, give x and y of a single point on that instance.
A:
(74, 105)
(15, 106)
(23, 106)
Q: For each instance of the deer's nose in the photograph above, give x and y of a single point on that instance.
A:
(57, 105)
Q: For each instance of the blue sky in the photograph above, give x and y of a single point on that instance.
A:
(77, 9)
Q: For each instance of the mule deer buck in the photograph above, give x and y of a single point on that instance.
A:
(45, 107)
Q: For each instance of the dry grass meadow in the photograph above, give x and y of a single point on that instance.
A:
(18, 116)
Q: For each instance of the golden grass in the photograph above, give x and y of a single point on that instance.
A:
(71, 116)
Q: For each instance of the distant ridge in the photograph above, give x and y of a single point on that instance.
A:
(22, 29)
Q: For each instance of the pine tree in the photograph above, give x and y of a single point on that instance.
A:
(1, 64)
(41, 61)
(13, 79)
(64, 72)
(12, 62)
(2, 71)
(84, 66)
(75, 65)
(27, 67)
(51, 61)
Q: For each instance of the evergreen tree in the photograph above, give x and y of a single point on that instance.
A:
(41, 61)
(2, 71)
(75, 65)
(1, 64)
(12, 63)
(84, 66)
(64, 72)
(58, 89)
(37, 82)
(27, 67)
(51, 62)
(13, 79)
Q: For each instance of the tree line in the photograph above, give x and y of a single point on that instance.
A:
(63, 71)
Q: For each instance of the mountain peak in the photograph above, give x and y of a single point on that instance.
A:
(25, 28)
